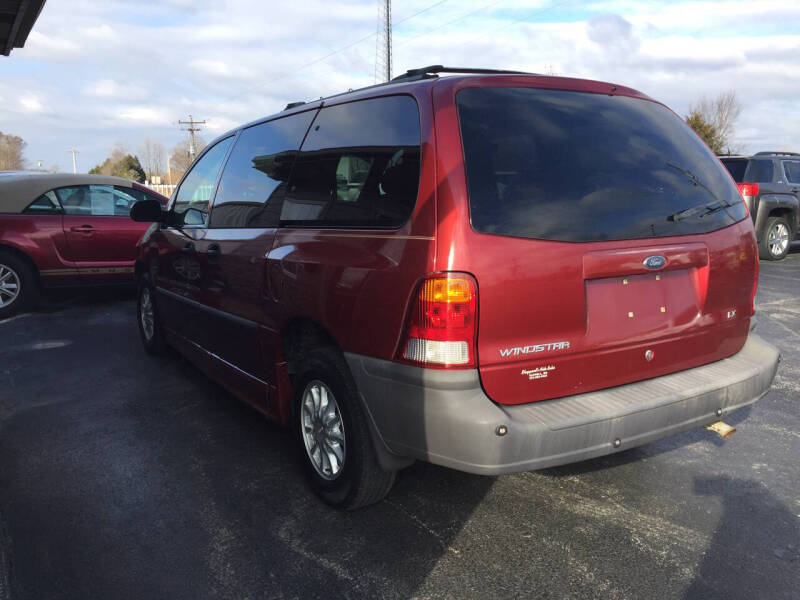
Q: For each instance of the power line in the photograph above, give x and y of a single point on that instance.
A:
(191, 129)
(514, 22)
(327, 56)
(443, 25)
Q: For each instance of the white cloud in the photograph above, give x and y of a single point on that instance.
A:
(211, 67)
(103, 88)
(101, 32)
(146, 115)
(31, 104)
(40, 46)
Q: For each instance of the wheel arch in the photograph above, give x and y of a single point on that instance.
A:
(771, 205)
(302, 335)
(22, 255)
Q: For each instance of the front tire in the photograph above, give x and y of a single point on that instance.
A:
(18, 285)
(150, 330)
(333, 435)
(775, 240)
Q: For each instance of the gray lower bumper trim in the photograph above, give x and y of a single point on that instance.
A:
(444, 417)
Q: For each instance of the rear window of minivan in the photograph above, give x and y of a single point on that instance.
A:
(578, 167)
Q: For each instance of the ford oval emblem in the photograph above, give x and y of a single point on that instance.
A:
(654, 262)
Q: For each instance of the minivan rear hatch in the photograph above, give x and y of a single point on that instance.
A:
(609, 244)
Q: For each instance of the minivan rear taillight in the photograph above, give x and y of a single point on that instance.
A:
(748, 192)
(442, 322)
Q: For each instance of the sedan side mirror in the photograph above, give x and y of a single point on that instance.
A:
(148, 211)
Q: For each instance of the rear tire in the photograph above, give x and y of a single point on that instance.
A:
(18, 285)
(150, 330)
(775, 239)
(333, 435)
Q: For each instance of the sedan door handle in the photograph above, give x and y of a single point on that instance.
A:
(82, 229)
(188, 248)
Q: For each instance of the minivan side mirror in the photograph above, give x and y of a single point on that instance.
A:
(148, 211)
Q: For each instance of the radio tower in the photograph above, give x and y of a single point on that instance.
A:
(383, 45)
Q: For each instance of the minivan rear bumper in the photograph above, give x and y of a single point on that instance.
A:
(445, 417)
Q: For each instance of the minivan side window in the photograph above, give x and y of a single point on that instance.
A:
(253, 182)
(359, 166)
(193, 197)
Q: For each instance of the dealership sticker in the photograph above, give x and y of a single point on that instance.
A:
(538, 372)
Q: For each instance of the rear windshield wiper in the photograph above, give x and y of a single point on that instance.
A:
(705, 209)
(701, 210)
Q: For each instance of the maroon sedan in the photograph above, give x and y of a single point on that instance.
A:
(63, 230)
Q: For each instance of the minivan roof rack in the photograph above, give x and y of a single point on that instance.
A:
(434, 70)
(294, 105)
(770, 152)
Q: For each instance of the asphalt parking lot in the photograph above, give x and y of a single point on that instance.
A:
(122, 476)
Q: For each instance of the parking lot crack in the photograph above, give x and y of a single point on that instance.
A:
(422, 525)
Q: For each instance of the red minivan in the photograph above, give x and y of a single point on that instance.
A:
(495, 272)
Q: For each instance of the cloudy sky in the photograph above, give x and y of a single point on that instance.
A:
(96, 73)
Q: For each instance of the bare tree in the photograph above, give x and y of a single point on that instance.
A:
(11, 148)
(714, 121)
(179, 159)
(152, 154)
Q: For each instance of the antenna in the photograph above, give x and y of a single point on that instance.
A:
(383, 47)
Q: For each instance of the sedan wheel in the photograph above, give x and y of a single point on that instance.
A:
(10, 285)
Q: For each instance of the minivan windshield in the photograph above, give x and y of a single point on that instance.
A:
(578, 167)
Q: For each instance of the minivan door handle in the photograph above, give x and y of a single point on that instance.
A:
(213, 252)
(82, 229)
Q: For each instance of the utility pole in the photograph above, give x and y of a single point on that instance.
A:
(383, 45)
(191, 129)
(73, 151)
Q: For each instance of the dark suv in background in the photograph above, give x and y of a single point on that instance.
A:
(770, 184)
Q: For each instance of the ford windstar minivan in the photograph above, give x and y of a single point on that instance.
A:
(491, 271)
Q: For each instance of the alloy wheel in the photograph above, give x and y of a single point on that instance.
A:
(147, 314)
(778, 239)
(323, 430)
(9, 285)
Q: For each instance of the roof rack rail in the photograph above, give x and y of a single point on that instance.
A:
(779, 153)
(434, 70)
(294, 105)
